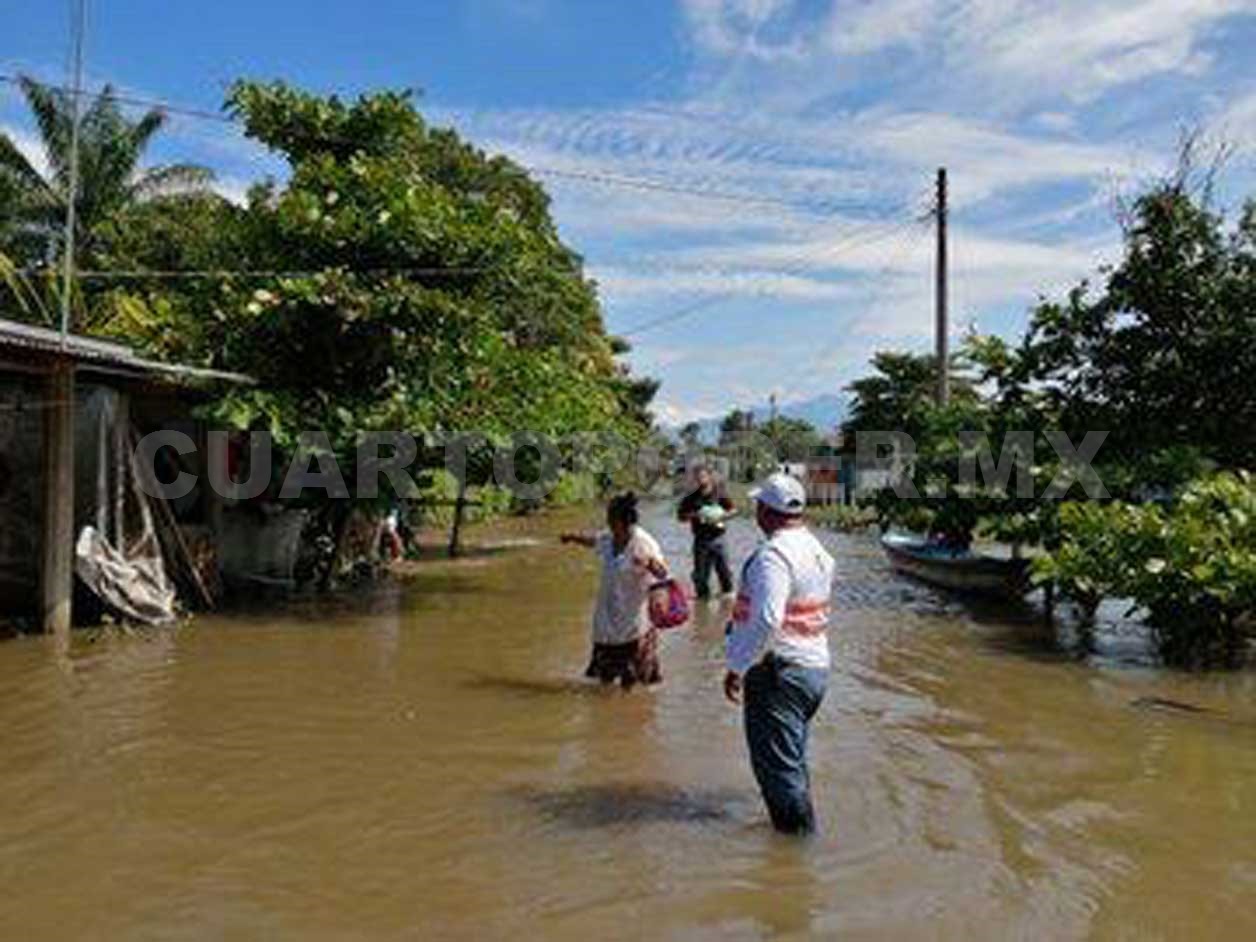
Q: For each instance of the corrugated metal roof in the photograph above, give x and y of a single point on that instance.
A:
(92, 351)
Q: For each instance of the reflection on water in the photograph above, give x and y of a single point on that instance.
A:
(424, 761)
(531, 687)
(599, 806)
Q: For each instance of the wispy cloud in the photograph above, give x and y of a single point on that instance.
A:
(1074, 49)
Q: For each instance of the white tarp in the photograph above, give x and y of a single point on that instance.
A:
(133, 586)
(120, 558)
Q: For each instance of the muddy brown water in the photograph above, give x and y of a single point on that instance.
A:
(422, 762)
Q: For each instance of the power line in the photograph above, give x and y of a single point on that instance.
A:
(646, 184)
(192, 274)
(797, 268)
(898, 253)
(641, 183)
(134, 101)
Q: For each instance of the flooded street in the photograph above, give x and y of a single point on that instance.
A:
(426, 763)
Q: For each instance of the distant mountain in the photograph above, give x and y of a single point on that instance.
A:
(825, 413)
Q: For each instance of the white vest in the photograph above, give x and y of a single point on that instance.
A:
(783, 603)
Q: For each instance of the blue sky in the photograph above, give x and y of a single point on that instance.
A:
(813, 127)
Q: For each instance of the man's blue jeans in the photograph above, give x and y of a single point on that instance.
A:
(709, 553)
(780, 700)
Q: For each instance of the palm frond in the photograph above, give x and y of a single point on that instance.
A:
(171, 180)
(143, 130)
(51, 110)
(33, 303)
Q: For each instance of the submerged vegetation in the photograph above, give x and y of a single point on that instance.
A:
(1191, 567)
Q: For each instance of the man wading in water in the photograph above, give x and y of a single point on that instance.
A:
(625, 642)
(778, 651)
(705, 509)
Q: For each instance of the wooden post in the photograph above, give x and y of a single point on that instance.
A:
(941, 327)
(57, 544)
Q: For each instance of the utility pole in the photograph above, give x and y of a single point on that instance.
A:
(940, 300)
(78, 27)
(776, 451)
(56, 564)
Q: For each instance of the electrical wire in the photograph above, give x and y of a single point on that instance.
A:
(192, 274)
(851, 240)
(823, 207)
(646, 184)
(914, 234)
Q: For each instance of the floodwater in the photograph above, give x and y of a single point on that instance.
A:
(424, 763)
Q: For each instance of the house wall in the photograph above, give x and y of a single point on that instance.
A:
(21, 470)
(21, 443)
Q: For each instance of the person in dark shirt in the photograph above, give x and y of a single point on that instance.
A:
(705, 509)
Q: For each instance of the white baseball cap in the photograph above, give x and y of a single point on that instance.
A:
(781, 493)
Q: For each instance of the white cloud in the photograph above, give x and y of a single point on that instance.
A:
(1237, 121)
(623, 285)
(1073, 50)
(985, 159)
(1082, 47)
(816, 162)
(733, 28)
(1056, 121)
(235, 189)
(28, 146)
(875, 25)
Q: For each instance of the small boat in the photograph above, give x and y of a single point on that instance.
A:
(957, 570)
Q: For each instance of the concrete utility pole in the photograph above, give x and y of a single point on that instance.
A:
(78, 27)
(56, 564)
(776, 449)
(940, 301)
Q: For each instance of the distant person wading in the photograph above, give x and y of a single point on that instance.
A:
(705, 509)
(778, 650)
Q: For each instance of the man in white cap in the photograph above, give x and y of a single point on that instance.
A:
(778, 651)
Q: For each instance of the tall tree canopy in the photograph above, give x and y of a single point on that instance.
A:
(893, 396)
(399, 279)
(1162, 354)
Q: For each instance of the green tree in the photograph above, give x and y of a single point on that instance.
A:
(791, 439)
(891, 398)
(1190, 568)
(1161, 355)
(421, 286)
(736, 424)
(33, 199)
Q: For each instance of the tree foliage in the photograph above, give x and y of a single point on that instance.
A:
(111, 174)
(895, 395)
(1161, 355)
(399, 279)
(1190, 567)
(1158, 354)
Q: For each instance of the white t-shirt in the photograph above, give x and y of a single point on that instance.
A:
(621, 615)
